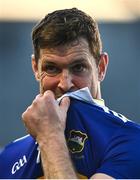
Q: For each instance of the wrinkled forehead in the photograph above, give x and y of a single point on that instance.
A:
(77, 46)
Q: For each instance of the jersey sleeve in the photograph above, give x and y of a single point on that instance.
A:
(20, 159)
(122, 156)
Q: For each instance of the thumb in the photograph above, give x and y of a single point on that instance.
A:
(65, 103)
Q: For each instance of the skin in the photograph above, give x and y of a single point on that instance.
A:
(65, 68)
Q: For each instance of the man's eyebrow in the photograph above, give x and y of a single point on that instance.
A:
(48, 61)
(78, 61)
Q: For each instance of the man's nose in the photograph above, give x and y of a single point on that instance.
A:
(65, 81)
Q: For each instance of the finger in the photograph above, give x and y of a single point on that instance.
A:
(49, 93)
(65, 103)
(36, 99)
(38, 96)
(49, 97)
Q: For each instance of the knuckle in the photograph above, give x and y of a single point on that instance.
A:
(48, 95)
(34, 102)
(38, 96)
(24, 117)
(25, 113)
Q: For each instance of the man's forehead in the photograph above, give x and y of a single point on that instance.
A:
(73, 46)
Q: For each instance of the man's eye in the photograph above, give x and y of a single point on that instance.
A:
(78, 68)
(51, 70)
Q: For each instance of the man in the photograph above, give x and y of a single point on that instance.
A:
(76, 136)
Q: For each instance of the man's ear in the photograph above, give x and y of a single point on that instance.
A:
(102, 66)
(35, 67)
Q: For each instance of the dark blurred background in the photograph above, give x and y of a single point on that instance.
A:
(120, 89)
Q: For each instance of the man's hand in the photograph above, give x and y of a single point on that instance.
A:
(45, 120)
(44, 116)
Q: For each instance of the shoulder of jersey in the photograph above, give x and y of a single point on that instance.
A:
(96, 108)
(21, 143)
(16, 155)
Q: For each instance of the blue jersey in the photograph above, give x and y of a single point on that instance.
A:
(99, 141)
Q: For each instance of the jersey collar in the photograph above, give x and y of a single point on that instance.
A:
(83, 95)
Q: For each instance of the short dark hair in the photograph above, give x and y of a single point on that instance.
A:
(63, 26)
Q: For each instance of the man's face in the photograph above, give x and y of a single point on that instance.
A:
(68, 68)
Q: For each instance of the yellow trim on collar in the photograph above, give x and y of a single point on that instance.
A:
(100, 102)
